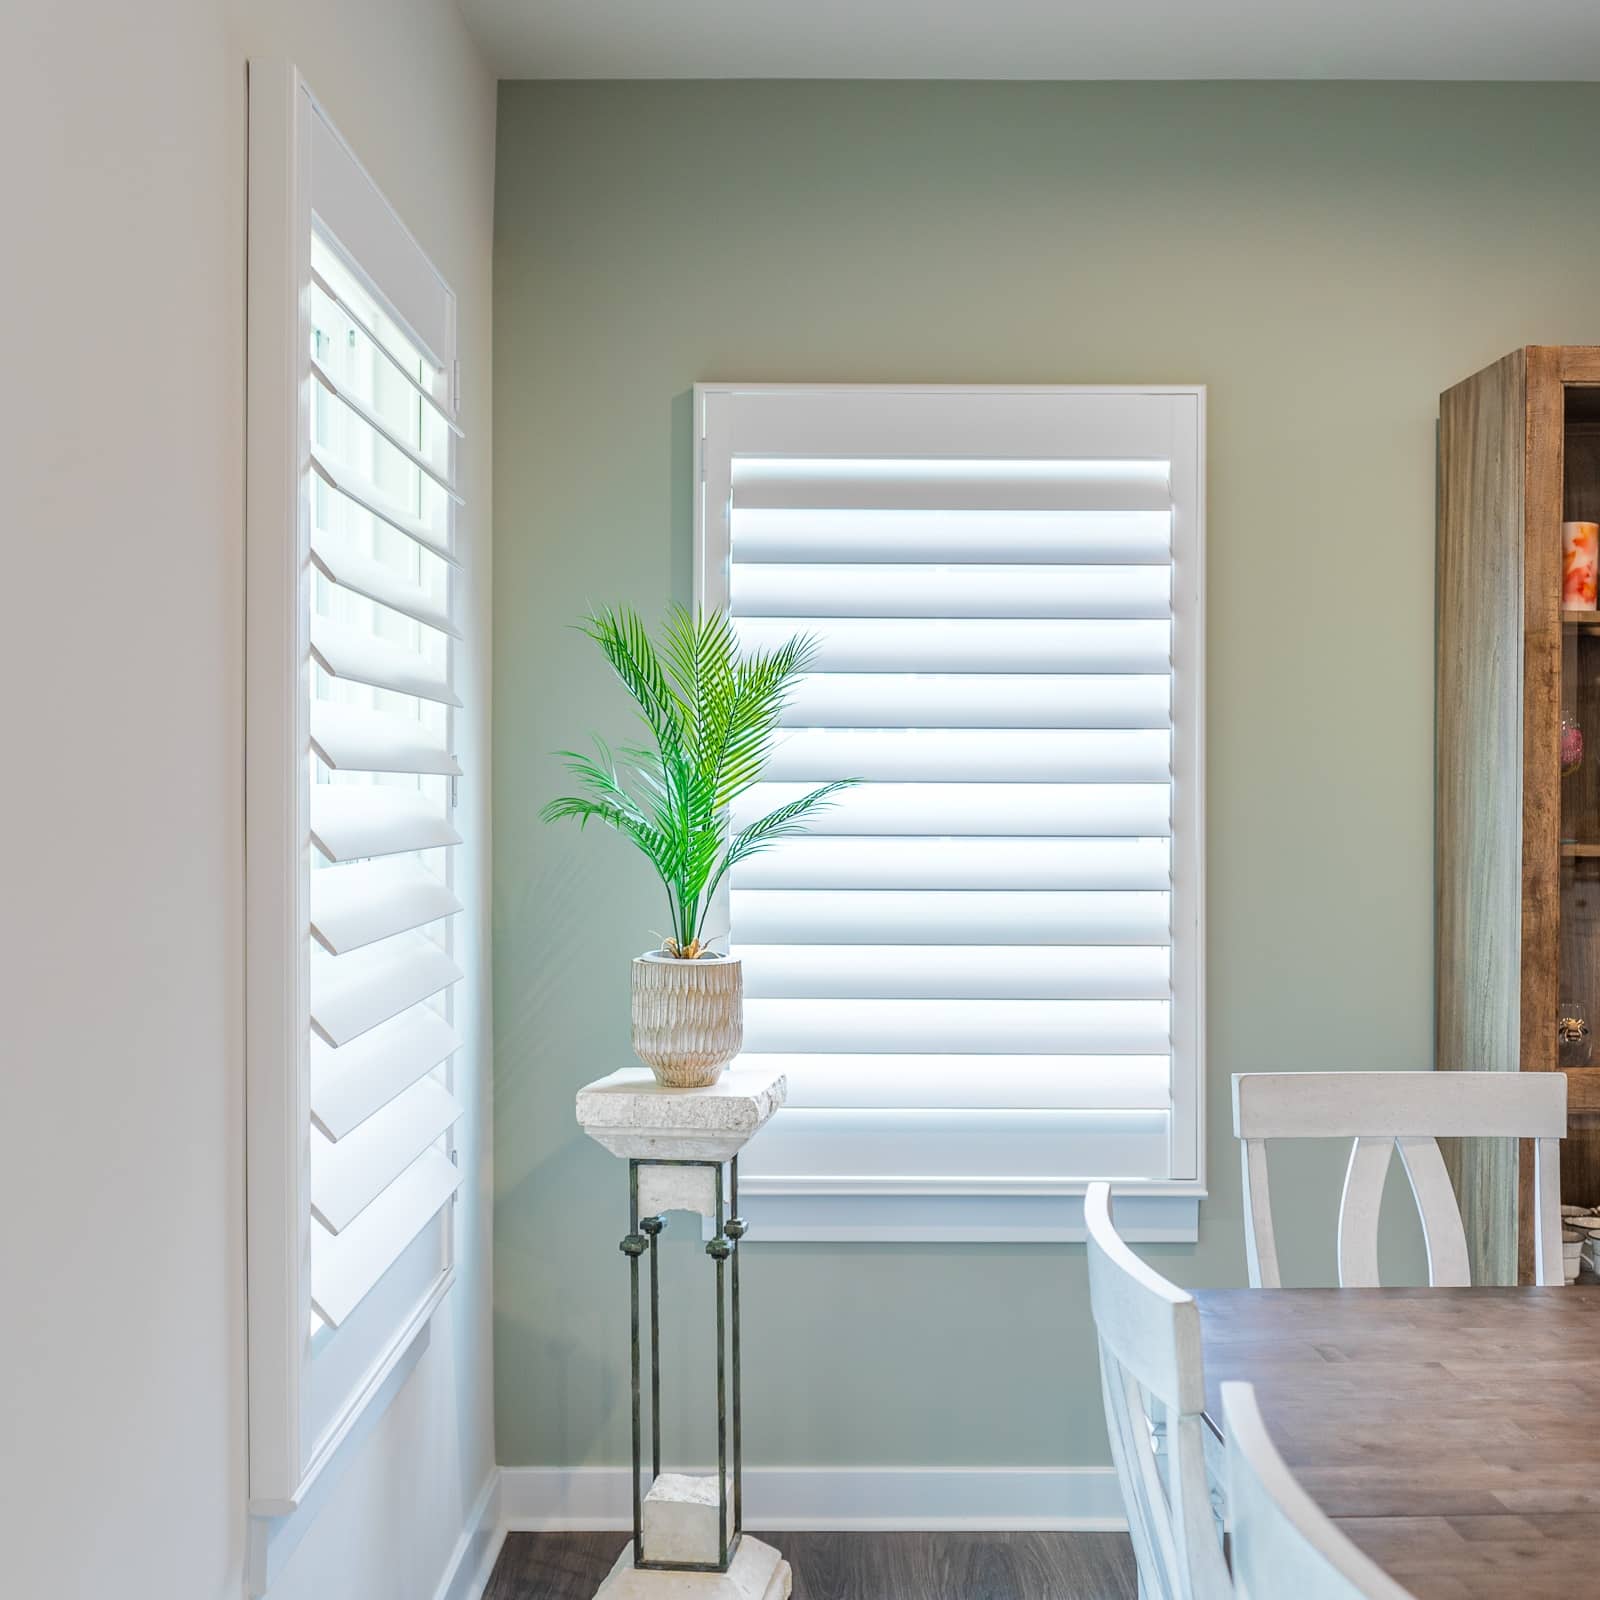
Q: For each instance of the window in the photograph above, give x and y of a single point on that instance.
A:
(351, 835)
(982, 971)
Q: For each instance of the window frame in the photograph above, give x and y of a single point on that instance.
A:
(304, 179)
(911, 1209)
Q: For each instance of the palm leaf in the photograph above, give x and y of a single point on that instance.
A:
(784, 823)
(625, 642)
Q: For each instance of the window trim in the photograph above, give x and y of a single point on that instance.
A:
(906, 1209)
(288, 131)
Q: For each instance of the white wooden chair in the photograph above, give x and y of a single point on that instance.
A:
(1283, 1544)
(1150, 1347)
(1380, 1111)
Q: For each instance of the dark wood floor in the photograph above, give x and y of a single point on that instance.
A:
(858, 1566)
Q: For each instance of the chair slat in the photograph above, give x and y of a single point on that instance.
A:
(1442, 1233)
(1358, 1212)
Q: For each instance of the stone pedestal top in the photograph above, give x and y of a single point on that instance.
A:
(633, 1116)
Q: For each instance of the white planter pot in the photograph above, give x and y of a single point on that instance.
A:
(688, 1017)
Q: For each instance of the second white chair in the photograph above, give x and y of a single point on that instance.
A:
(1411, 1112)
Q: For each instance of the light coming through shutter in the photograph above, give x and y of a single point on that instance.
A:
(380, 766)
(981, 970)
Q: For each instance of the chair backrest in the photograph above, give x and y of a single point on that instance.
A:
(1150, 1351)
(1283, 1544)
(1411, 1111)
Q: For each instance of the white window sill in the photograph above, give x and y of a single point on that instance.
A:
(1161, 1214)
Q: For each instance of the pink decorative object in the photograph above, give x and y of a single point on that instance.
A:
(1571, 746)
(1580, 555)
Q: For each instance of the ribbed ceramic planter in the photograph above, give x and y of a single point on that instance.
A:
(688, 1017)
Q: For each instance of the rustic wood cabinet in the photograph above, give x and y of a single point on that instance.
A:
(1517, 881)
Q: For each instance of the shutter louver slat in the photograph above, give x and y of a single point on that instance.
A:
(951, 485)
(821, 862)
(973, 755)
(352, 821)
(971, 916)
(346, 1267)
(383, 430)
(350, 994)
(348, 1176)
(903, 644)
(1091, 538)
(349, 1084)
(1122, 810)
(954, 972)
(837, 1080)
(371, 579)
(359, 491)
(352, 739)
(819, 590)
(962, 1027)
(351, 653)
(352, 906)
(978, 700)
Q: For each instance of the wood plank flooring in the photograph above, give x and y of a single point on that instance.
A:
(858, 1566)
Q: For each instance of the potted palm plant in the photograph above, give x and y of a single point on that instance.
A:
(712, 714)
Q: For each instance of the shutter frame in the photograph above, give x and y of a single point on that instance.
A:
(802, 499)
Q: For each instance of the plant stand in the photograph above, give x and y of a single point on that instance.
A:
(682, 1148)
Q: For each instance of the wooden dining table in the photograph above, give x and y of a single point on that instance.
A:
(1453, 1434)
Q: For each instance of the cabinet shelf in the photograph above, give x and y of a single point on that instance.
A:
(1583, 621)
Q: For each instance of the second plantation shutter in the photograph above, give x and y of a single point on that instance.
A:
(381, 765)
(980, 969)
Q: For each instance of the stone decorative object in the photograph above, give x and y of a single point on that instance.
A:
(636, 1117)
(757, 1572)
(688, 1016)
(681, 1519)
(682, 1148)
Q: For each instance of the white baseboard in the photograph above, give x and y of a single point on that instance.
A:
(829, 1498)
(472, 1561)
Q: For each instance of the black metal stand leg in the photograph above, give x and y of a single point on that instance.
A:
(719, 1249)
(633, 1247)
(735, 1231)
(652, 1227)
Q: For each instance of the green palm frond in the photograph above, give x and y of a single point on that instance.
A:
(784, 823)
(625, 642)
(713, 717)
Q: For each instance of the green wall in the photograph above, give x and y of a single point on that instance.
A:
(1326, 258)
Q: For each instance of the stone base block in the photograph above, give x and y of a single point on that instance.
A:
(682, 1518)
(757, 1572)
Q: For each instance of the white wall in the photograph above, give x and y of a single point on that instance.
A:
(122, 1346)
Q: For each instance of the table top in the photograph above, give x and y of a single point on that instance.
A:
(1453, 1433)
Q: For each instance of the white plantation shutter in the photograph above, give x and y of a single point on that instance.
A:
(356, 956)
(381, 637)
(980, 970)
